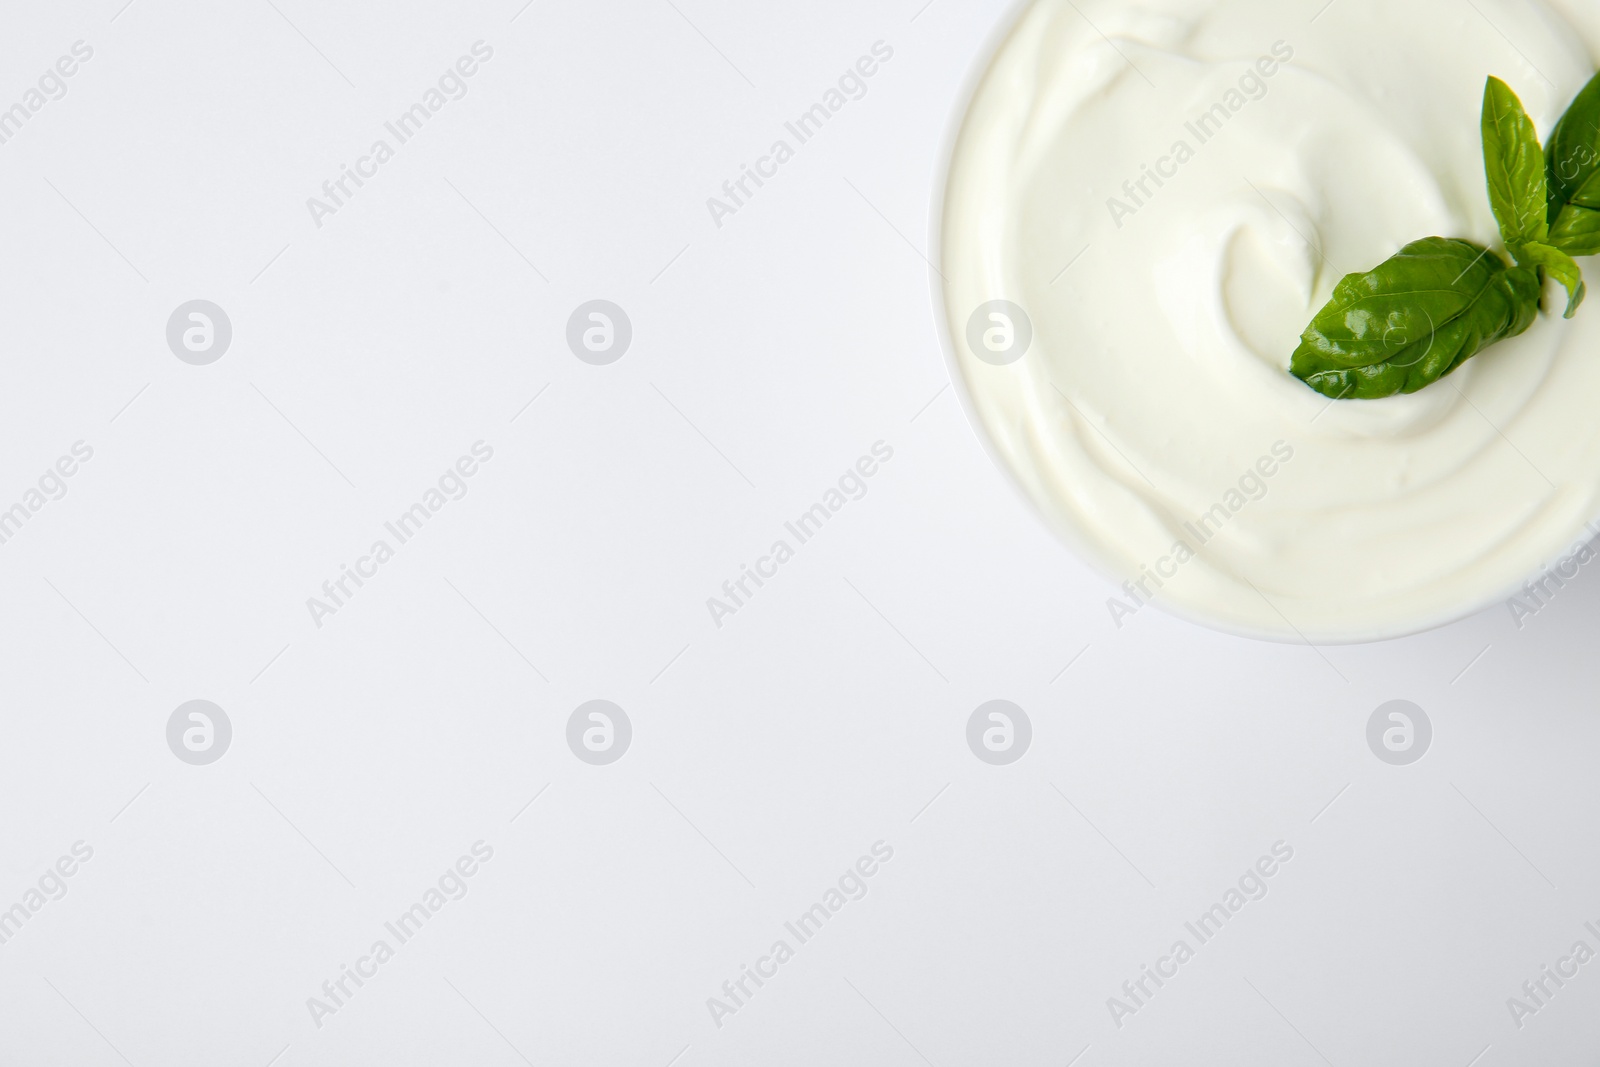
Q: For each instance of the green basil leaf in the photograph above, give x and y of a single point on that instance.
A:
(1576, 230)
(1572, 157)
(1560, 266)
(1414, 319)
(1515, 164)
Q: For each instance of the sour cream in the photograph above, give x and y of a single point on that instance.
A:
(1147, 202)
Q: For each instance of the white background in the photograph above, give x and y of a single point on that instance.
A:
(768, 755)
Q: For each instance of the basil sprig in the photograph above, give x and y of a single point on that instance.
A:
(1422, 313)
